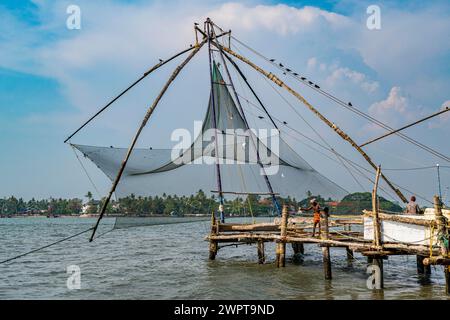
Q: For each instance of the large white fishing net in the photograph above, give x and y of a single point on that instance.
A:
(187, 169)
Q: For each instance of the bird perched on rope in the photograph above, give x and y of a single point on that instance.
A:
(303, 78)
(288, 70)
(272, 60)
(350, 104)
(317, 86)
(284, 122)
(261, 117)
(281, 65)
(295, 74)
(161, 60)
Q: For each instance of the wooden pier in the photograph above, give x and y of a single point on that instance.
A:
(337, 232)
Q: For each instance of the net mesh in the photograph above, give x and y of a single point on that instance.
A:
(184, 171)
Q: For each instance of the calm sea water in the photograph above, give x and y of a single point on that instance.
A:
(171, 262)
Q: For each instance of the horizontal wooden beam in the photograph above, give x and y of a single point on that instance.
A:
(403, 219)
(439, 260)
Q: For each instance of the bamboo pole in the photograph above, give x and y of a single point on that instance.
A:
(261, 254)
(441, 223)
(213, 246)
(326, 249)
(138, 133)
(156, 66)
(281, 244)
(349, 255)
(249, 227)
(298, 247)
(378, 261)
(442, 233)
(255, 144)
(375, 208)
(422, 268)
(403, 219)
(405, 127)
(216, 146)
(437, 260)
(333, 126)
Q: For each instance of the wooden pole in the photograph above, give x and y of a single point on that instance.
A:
(298, 247)
(405, 127)
(399, 218)
(138, 133)
(213, 247)
(422, 268)
(375, 209)
(437, 260)
(156, 66)
(333, 126)
(216, 146)
(379, 263)
(261, 254)
(326, 248)
(441, 222)
(281, 244)
(349, 255)
(255, 144)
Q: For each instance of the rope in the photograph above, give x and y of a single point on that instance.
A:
(85, 171)
(345, 105)
(47, 246)
(431, 239)
(241, 175)
(313, 129)
(102, 234)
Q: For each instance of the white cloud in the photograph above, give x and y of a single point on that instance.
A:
(443, 118)
(281, 19)
(395, 102)
(335, 75)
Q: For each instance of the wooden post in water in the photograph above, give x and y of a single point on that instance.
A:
(349, 255)
(378, 261)
(421, 268)
(326, 248)
(213, 247)
(261, 255)
(375, 209)
(298, 247)
(281, 244)
(441, 222)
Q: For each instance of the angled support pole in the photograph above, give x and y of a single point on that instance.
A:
(333, 126)
(141, 127)
(156, 66)
(405, 127)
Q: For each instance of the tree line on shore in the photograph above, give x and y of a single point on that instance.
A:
(199, 203)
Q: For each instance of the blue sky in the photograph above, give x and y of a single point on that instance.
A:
(52, 78)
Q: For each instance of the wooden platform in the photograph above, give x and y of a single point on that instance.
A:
(336, 232)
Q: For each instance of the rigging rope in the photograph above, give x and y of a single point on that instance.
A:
(345, 105)
(85, 171)
(46, 246)
(314, 130)
(353, 164)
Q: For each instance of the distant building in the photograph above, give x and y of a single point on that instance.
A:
(91, 207)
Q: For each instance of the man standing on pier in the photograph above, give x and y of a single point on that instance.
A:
(316, 209)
